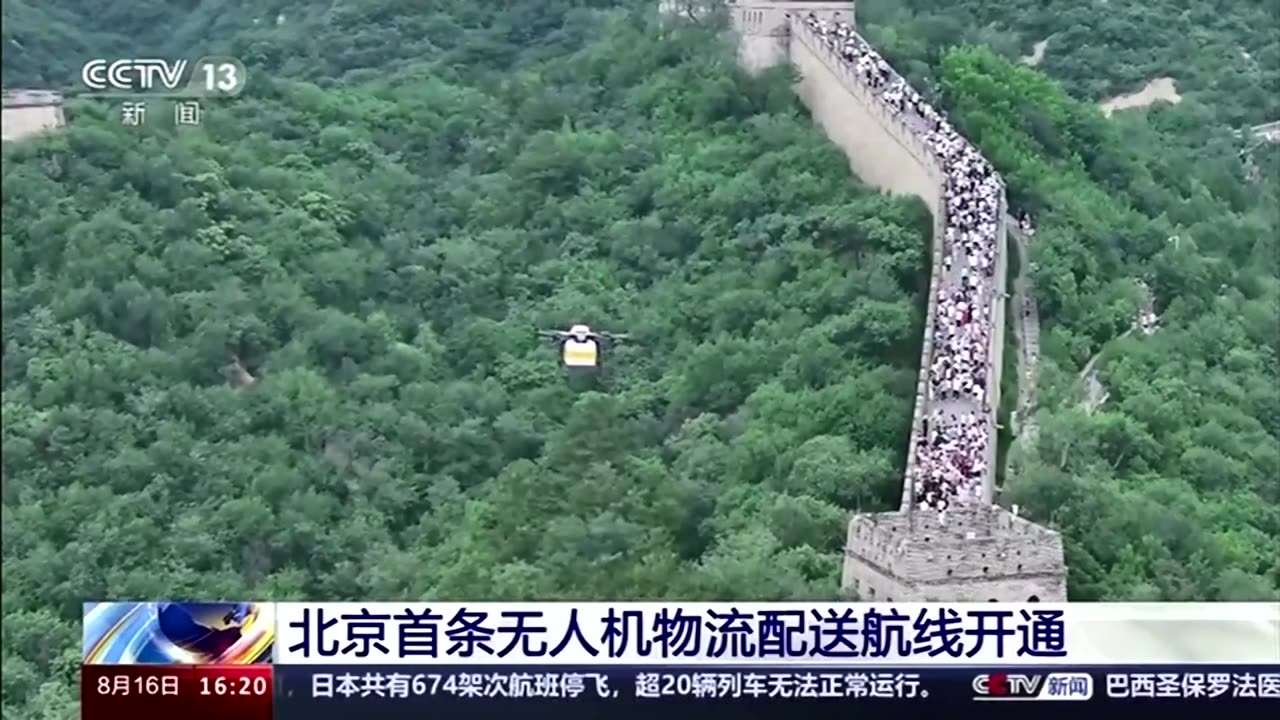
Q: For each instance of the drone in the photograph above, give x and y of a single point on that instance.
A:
(581, 347)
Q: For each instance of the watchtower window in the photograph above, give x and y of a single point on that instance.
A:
(985, 569)
(993, 600)
(1034, 598)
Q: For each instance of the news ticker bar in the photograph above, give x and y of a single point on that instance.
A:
(686, 634)
(282, 692)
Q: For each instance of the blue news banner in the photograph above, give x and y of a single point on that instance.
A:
(402, 692)
(472, 671)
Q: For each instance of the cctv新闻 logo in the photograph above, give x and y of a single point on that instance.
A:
(133, 75)
(1053, 686)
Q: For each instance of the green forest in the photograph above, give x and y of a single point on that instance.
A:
(1171, 489)
(291, 354)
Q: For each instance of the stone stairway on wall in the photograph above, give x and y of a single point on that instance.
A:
(982, 552)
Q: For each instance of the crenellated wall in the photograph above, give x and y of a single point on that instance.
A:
(884, 152)
(764, 28)
(974, 545)
(982, 552)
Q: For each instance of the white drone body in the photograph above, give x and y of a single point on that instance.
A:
(581, 347)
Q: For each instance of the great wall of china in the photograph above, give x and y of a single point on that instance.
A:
(982, 552)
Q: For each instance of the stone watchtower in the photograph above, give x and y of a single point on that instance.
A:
(761, 27)
(981, 552)
(27, 112)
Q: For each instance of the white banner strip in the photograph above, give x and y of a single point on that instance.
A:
(810, 634)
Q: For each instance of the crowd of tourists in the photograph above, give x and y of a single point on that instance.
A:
(951, 455)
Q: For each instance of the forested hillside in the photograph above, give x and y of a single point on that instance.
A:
(1224, 54)
(377, 255)
(291, 353)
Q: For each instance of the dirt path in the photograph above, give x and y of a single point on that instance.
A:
(1037, 53)
(1161, 89)
(1270, 132)
(1095, 392)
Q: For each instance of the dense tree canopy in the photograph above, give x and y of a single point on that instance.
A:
(289, 354)
(1224, 55)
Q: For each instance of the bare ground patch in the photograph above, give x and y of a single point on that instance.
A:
(1161, 89)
